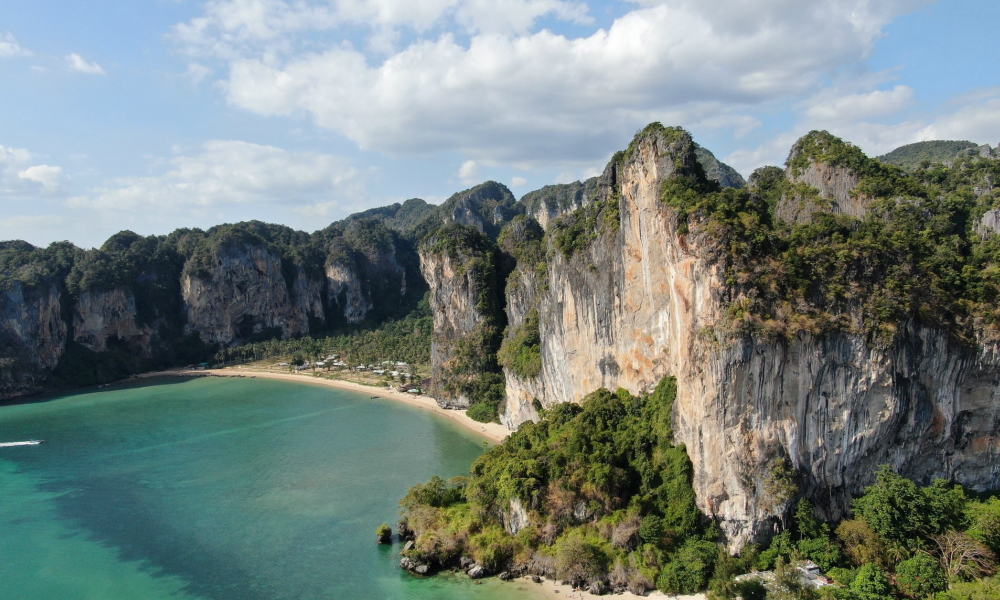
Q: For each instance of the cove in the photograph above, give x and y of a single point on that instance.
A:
(222, 489)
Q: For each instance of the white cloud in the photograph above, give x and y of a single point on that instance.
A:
(975, 117)
(469, 172)
(77, 63)
(230, 173)
(855, 107)
(20, 178)
(49, 177)
(229, 28)
(527, 97)
(197, 73)
(518, 181)
(9, 48)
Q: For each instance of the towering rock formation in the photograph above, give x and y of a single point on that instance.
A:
(32, 335)
(459, 263)
(824, 180)
(100, 316)
(242, 295)
(632, 297)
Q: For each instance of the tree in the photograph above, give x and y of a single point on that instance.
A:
(861, 543)
(894, 507)
(723, 585)
(920, 576)
(871, 584)
(985, 523)
(981, 589)
(788, 584)
(963, 557)
(690, 568)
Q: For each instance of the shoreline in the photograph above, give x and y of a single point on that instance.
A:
(494, 432)
(554, 589)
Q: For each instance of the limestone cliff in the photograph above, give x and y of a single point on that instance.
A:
(553, 201)
(459, 265)
(244, 294)
(821, 183)
(99, 316)
(32, 335)
(643, 298)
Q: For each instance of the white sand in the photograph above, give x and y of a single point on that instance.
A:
(492, 431)
(553, 589)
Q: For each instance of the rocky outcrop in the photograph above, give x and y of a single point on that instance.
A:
(458, 264)
(820, 186)
(718, 171)
(245, 295)
(989, 223)
(32, 335)
(346, 294)
(99, 316)
(553, 201)
(644, 301)
(487, 207)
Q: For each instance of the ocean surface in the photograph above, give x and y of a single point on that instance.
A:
(220, 488)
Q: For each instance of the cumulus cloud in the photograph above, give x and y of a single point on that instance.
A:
(975, 118)
(49, 177)
(230, 173)
(510, 94)
(469, 172)
(855, 107)
(77, 63)
(9, 48)
(518, 181)
(20, 177)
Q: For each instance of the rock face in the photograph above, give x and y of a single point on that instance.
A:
(99, 316)
(827, 188)
(642, 301)
(989, 223)
(246, 294)
(487, 207)
(32, 335)
(717, 170)
(346, 294)
(553, 201)
(459, 269)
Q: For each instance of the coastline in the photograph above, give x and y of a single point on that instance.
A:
(554, 589)
(493, 432)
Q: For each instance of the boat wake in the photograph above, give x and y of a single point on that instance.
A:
(27, 443)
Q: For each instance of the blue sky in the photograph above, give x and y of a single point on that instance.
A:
(155, 115)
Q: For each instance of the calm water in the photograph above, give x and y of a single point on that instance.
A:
(222, 489)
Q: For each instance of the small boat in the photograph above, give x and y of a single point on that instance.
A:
(27, 443)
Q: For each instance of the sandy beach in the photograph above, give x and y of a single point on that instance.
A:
(554, 589)
(491, 431)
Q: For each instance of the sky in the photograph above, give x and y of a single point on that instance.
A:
(158, 114)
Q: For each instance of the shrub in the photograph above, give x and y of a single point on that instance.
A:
(689, 569)
(920, 576)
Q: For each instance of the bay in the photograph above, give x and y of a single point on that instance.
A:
(222, 489)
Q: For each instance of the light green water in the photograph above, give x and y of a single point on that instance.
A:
(219, 488)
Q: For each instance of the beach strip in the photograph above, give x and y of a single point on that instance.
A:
(494, 432)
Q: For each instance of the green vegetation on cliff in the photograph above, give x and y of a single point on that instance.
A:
(605, 493)
(912, 156)
(914, 256)
(470, 368)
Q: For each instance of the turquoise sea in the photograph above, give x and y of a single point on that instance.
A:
(219, 488)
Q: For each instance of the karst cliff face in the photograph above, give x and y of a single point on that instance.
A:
(245, 295)
(459, 269)
(643, 301)
(33, 335)
(100, 316)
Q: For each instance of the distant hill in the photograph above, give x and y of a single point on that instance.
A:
(938, 151)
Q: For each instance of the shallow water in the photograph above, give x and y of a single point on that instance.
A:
(219, 488)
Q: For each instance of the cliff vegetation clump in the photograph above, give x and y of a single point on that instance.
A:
(596, 495)
(916, 254)
(594, 492)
